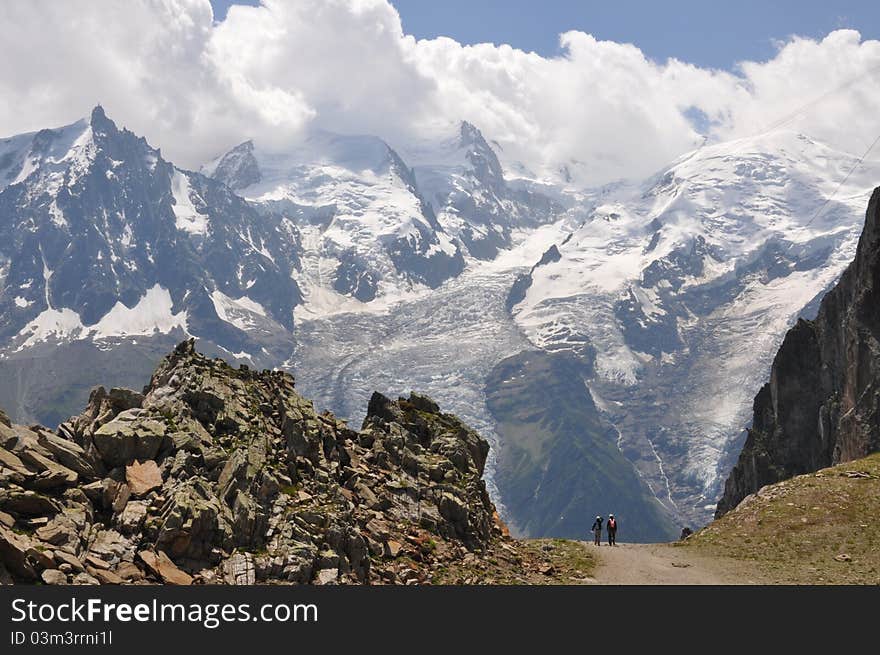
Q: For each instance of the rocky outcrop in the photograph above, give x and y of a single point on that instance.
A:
(219, 474)
(822, 403)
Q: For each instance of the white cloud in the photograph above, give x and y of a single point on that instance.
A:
(144, 61)
(167, 71)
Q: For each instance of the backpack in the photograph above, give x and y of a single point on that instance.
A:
(612, 524)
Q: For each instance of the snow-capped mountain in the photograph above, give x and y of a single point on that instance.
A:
(100, 238)
(368, 233)
(463, 178)
(426, 266)
(682, 288)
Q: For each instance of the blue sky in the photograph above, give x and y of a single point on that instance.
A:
(709, 34)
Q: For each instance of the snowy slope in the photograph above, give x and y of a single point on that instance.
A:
(684, 286)
(47, 155)
(369, 232)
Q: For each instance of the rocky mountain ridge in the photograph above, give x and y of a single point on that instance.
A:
(218, 474)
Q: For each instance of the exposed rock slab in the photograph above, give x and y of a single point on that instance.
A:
(161, 565)
(143, 477)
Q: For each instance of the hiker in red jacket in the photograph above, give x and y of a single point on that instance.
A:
(611, 526)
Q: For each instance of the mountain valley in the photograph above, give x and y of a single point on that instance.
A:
(631, 323)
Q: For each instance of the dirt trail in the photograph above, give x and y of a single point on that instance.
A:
(666, 564)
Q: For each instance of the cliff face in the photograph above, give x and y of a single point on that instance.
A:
(217, 474)
(822, 403)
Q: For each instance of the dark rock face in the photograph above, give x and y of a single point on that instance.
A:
(488, 229)
(822, 404)
(238, 168)
(93, 217)
(679, 265)
(420, 256)
(356, 280)
(216, 474)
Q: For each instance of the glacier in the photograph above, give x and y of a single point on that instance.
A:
(362, 265)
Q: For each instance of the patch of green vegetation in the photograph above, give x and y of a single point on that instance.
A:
(262, 551)
(558, 462)
(449, 421)
(574, 560)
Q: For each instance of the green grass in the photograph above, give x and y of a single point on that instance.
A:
(793, 531)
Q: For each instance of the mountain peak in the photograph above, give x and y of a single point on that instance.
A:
(98, 113)
(481, 155)
(471, 135)
(244, 146)
(248, 518)
(99, 121)
(238, 168)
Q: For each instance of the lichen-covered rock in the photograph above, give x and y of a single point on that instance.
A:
(217, 473)
(66, 452)
(194, 521)
(20, 502)
(240, 570)
(53, 577)
(129, 436)
(14, 554)
(131, 519)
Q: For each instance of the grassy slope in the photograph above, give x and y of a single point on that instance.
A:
(558, 461)
(797, 531)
